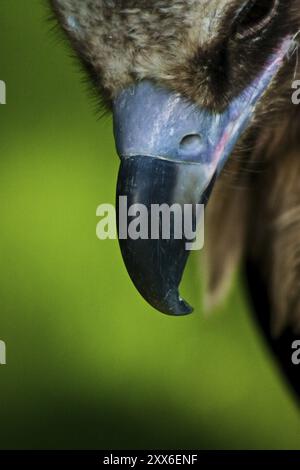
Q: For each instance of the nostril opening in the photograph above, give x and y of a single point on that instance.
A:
(191, 142)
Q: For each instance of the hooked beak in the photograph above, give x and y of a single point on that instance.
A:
(171, 152)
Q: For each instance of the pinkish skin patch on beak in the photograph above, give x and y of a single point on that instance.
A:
(242, 108)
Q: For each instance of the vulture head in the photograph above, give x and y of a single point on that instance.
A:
(200, 92)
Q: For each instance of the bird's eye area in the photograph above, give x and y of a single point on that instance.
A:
(255, 16)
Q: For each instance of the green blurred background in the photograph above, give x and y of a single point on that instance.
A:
(89, 364)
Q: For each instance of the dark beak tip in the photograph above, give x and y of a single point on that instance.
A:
(155, 266)
(173, 305)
